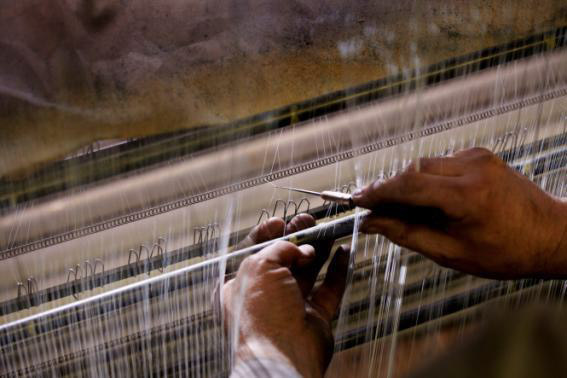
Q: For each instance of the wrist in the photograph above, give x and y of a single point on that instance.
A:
(265, 349)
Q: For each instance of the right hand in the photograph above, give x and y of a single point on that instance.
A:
(473, 213)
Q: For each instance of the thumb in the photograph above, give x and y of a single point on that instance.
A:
(328, 296)
(267, 230)
(286, 254)
(420, 238)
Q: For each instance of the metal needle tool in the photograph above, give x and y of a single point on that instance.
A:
(328, 195)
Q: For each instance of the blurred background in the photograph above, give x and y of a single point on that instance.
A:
(137, 139)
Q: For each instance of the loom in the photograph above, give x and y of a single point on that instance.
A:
(118, 276)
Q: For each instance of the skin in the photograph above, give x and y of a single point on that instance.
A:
(469, 211)
(301, 315)
(474, 214)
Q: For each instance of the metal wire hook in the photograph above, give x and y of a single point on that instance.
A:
(351, 187)
(210, 231)
(21, 288)
(148, 254)
(136, 254)
(160, 240)
(304, 200)
(507, 138)
(159, 252)
(88, 266)
(75, 273)
(99, 262)
(32, 285)
(276, 207)
(523, 136)
(198, 231)
(144, 248)
(291, 202)
(262, 212)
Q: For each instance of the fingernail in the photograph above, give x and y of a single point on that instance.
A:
(307, 250)
(343, 255)
(357, 195)
(291, 227)
(344, 249)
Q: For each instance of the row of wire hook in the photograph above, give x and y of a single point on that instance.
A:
(88, 271)
(28, 288)
(511, 139)
(158, 250)
(292, 208)
(204, 234)
(285, 206)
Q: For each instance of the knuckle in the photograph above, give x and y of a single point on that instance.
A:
(408, 183)
(371, 190)
(479, 195)
(456, 191)
(283, 245)
(399, 236)
(302, 221)
(487, 159)
(475, 153)
(412, 167)
(478, 157)
(247, 264)
(426, 164)
(462, 198)
(272, 228)
(226, 289)
(479, 151)
(260, 262)
(470, 185)
(252, 265)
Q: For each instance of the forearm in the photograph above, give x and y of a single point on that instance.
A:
(258, 351)
(264, 368)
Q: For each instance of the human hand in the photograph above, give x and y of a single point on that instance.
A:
(281, 317)
(473, 213)
(274, 228)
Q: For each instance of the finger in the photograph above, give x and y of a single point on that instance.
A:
(307, 275)
(303, 221)
(441, 166)
(309, 255)
(270, 229)
(286, 254)
(327, 297)
(420, 238)
(299, 222)
(473, 152)
(307, 271)
(414, 189)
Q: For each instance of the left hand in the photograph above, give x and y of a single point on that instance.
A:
(280, 315)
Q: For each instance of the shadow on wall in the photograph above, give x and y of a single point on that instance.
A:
(76, 71)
